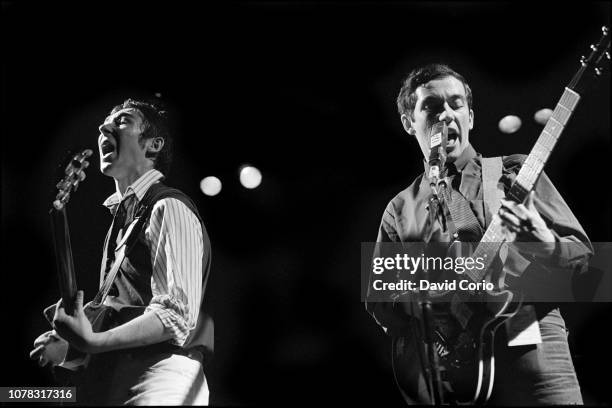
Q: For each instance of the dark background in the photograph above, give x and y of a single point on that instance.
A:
(306, 93)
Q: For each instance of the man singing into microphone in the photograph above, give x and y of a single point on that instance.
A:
(538, 369)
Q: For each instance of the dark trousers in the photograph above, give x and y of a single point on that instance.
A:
(539, 374)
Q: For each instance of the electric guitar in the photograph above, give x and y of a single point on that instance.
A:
(465, 352)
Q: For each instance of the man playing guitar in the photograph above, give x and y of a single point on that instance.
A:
(532, 359)
(157, 336)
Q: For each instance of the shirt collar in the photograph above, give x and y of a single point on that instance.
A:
(137, 188)
(468, 154)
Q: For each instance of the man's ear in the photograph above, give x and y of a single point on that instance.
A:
(471, 119)
(407, 124)
(156, 144)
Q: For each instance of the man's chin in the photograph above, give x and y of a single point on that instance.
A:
(453, 155)
(454, 152)
(106, 168)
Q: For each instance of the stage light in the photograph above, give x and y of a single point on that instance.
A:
(250, 177)
(210, 185)
(509, 124)
(542, 116)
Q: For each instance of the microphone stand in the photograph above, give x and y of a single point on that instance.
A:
(432, 368)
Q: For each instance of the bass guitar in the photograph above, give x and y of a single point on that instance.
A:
(96, 313)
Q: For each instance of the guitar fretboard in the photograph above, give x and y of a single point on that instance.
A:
(535, 162)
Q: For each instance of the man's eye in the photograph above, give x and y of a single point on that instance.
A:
(432, 107)
(458, 104)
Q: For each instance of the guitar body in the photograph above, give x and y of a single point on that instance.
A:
(465, 354)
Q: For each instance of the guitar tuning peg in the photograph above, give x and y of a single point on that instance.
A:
(607, 53)
(593, 47)
(58, 205)
(68, 169)
(87, 153)
(598, 71)
(77, 180)
(583, 60)
(85, 164)
(82, 176)
(61, 195)
(604, 30)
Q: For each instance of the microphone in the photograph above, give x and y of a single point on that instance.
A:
(437, 155)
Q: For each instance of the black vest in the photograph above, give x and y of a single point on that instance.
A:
(131, 290)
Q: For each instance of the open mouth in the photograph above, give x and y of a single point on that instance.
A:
(107, 148)
(452, 136)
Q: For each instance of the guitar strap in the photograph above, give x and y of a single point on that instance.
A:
(523, 328)
(120, 253)
(491, 190)
(124, 246)
(492, 194)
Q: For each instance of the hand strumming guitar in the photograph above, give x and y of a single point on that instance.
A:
(75, 329)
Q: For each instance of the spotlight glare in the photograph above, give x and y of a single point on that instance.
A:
(542, 116)
(210, 185)
(250, 177)
(509, 124)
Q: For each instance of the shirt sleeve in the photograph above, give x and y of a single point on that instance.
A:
(175, 238)
(573, 246)
(557, 278)
(392, 320)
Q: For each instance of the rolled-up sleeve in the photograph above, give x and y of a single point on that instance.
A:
(175, 238)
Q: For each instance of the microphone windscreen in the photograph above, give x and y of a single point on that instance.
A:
(438, 138)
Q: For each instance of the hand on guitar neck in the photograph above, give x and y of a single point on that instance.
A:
(523, 223)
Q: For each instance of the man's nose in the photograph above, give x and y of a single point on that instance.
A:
(106, 128)
(447, 115)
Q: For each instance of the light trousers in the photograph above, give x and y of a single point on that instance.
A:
(147, 379)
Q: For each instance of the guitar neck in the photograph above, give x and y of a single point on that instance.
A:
(541, 151)
(527, 177)
(63, 257)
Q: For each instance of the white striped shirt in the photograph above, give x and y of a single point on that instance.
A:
(174, 236)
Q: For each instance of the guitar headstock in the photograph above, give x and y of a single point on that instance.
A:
(74, 174)
(595, 64)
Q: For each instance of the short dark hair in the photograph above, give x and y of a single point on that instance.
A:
(156, 124)
(406, 100)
